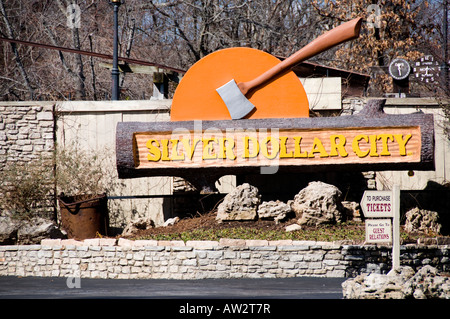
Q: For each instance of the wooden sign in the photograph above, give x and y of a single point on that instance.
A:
(203, 151)
(196, 97)
(377, 204)
(242, 82)
(378, 231)
(383, 204)
(283, 147)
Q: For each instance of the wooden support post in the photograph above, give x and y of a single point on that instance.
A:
(160, 86)
(396, 227)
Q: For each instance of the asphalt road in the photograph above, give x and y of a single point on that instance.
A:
(87, 288)
(214, 298)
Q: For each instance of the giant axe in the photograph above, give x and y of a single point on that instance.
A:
(233, 94)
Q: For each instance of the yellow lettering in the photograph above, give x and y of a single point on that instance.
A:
(208, 148)
(226, 148)
(165, 150)
(154, 151)
(255, 144)
(297, 150)
(283, 150)
(275, 147)
(271, 147)
(384, 143)
(402, 142)
(317, 148)
(373, 146)
(175, 156)
(189, 149)
(355, 145)
(338, 148)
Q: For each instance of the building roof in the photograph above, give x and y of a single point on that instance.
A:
(353, 83)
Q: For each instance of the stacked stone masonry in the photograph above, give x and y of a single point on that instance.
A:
(26, 132)
(227, 258)
(27, 136)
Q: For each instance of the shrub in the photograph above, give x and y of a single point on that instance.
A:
(81, 172)
(26, 188)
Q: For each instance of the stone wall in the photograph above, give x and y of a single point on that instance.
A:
(227, 258)
(26, 131)
(31, 130)
(27, 137)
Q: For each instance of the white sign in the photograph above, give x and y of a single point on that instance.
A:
(378, 231)
(377, 204)
(383, 204)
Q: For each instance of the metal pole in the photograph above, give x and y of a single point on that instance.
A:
(445, 62)
(115, 69)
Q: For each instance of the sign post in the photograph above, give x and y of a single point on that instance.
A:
(382, 204)
(396, 227)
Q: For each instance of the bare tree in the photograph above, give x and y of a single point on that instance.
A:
(278, 27)
(78, 75)
(20, 66)
(399, 32)
(178, 33)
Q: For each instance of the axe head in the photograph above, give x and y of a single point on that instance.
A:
(238, 105)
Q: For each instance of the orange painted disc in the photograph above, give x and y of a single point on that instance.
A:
(196, 97)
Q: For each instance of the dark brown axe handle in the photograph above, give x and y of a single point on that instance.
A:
(344, 32)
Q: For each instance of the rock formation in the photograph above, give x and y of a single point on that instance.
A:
(240, 204)
(137, 225)
(399, 283)
(275, 210)
(422, 220)
(318, 203)
(26, 232)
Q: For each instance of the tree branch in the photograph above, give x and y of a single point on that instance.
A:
(19, 63)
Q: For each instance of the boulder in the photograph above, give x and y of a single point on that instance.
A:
(8, 230)
(275, 210)
(427, 284)
(137, 225)
(240, 204)
(27, 231)
(378, 286)
(36, 229)
(352, 210)
(399, 283)
(293, 227)
(318, 203)
(422, 220)
(171, 221)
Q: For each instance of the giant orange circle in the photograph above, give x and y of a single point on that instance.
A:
(196, 97)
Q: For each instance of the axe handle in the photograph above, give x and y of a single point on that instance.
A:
(344, 32)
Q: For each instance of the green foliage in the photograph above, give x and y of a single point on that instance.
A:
(350, 231)
(323, 233)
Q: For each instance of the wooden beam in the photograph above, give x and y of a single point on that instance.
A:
(371, 140)
(94, 54)
(130, 68)
(142, 69)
